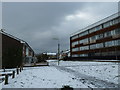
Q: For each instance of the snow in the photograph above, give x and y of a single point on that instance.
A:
(52, 60)
(2, 77)
(5, 72)
(69, 73)
(42, 77)
(50, 53)
(102, 70)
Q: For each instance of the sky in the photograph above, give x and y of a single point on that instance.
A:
(0, 14)
(38, 23)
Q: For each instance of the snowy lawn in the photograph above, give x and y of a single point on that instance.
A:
(55, 76)
(43, 77)
(102, 70)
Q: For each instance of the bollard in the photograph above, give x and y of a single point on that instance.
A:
(47, 64)
(17, 70)
(6, 79)
(20, 69)
(13, 75)
(4, 69)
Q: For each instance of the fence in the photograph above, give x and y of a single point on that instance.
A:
(6, 73)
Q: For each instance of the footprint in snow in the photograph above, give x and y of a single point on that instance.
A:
(22, 86)
(73, 78)
(15, 81)
(113, 66)
(34, 76)
(22, 82)
(27, 79)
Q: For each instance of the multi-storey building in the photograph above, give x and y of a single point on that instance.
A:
(100, 40)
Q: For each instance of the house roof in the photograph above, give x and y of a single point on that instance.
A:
(20, 40)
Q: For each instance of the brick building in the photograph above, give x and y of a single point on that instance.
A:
(14, 50)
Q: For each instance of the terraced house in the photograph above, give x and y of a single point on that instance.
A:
(100, 40)
(14, 51)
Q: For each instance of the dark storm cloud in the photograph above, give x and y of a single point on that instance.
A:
(38, 23)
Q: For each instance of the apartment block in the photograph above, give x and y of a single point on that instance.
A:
(100, 40)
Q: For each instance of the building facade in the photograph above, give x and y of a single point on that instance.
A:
(14, 50)
(100, 40)
(64, 55)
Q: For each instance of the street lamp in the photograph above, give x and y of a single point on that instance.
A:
(58, 48)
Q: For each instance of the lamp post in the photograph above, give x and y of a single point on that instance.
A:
(58, 48)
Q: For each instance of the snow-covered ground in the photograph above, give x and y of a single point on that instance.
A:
(75, 74)
(43, 77)
(102, 70)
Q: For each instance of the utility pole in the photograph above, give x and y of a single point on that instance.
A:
(58, 52)
(58, 48)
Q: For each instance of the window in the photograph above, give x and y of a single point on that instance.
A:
(74, 43)
(99, 36)
(113, 32)
(117, 31)
(100, 45)
(107, 24)
(117, 42)
(107, 34)
(75, 49)
(84, 40)
(74, 37)
(83, 33)
(115, 21)
(109, 43)
(119, 19)
(98, 27)
(83, 55)
(93, 46)
(95, 29)
(84, 48)
(111, 22)
(92, 30)
(92, 38)
(75, 55)
(27, 51)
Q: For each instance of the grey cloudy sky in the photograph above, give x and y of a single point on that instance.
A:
(0, 14)
(37, 22)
